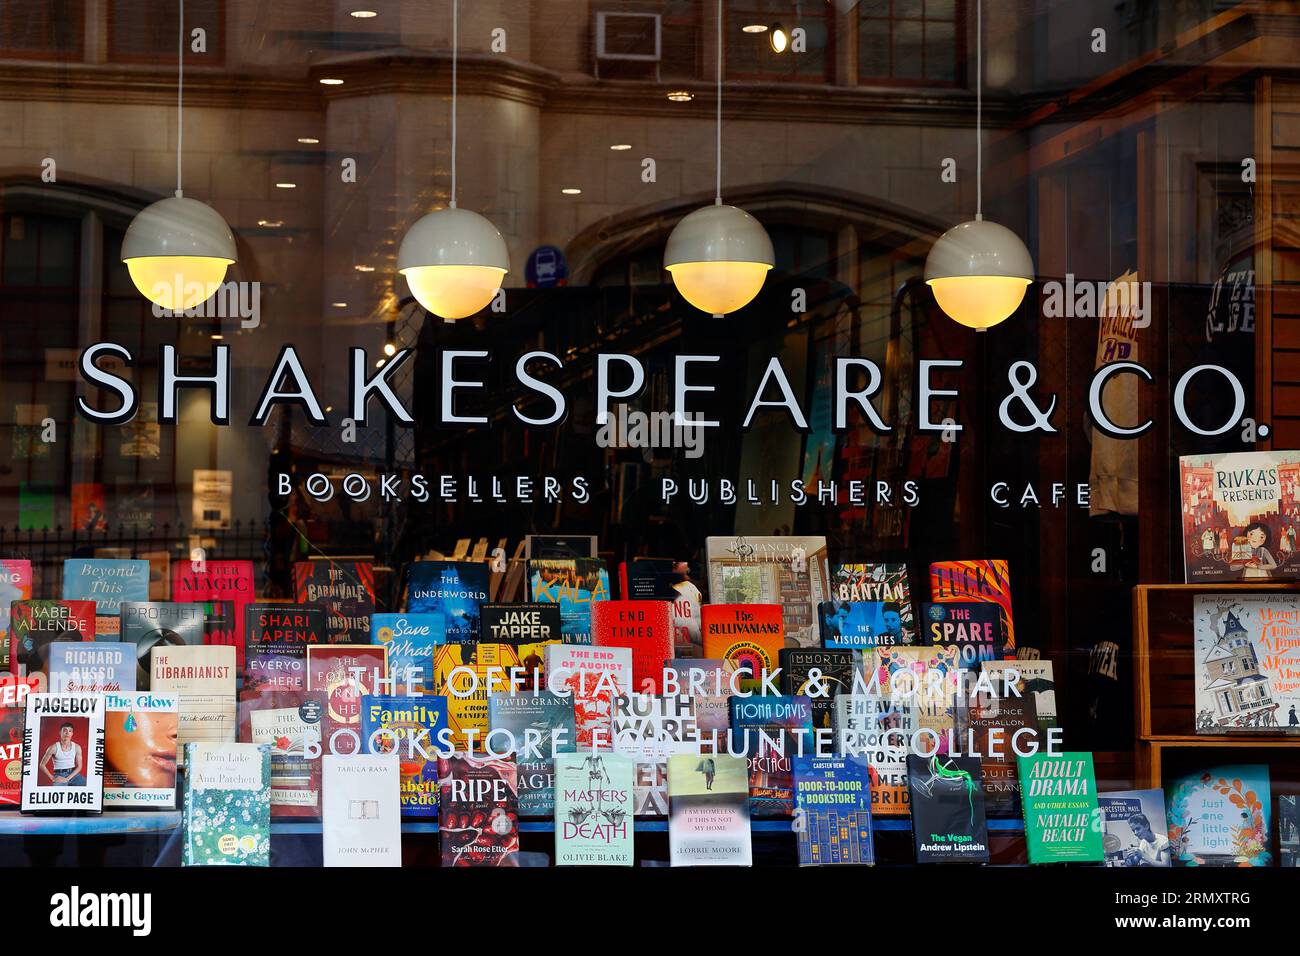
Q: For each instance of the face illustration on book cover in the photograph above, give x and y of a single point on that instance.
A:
(789, 570)
(575, 585)
(479, 811)
(454, 589)
(832, 810)
(411, 640)
(342, 674)
(593, 809)
(1247, 670)
(708, 822)
(948, 823)
(884, 584)
(226, 818)
(291, 728)
(1135, 828)
(861, 624)
(1221, 816)
(981, 580)
(88, 667)
(650, 728)
(150, 624)
(63, 753)
(108, 583)
(412, 730)
(140, 750)
(646, 628)
(346, 589)
(361, 814)
(35, 625)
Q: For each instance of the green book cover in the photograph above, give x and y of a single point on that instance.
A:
(227, 816)
(594, 808)
(1062, 822)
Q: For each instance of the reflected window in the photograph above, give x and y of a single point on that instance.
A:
(42, 29)
(911, 42)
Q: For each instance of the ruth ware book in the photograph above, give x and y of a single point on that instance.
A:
(346, 589)
(748, 637)
(454, 589)
(591, 677)
(707, 681)
(1247, 673)
(140, 750)
(787, 570)
(479, 811)
(1288, 829)
(342, 674)
(89, 667)
(1221, 816)
(1033, 678)
(149, 624)
(11, 755)
(466, 674)
(948, 824)
(884, 583)
(226, 818)
(411, 729)
(276, 638)
(650, 728)
(1239, 516)
(15, 585)
(411, 640)
(881, 729)
(203, 680)
(708, 822)
(539, 724)
(974, 628)
(1059, 796)
(768, 728)
(644, 627)
(35, 625)
(108, 583)
(230, 582)
(1134, 828)
(980, 580)
(63, 754)
(528, 628)
(361, 821)
(832, 810)
(819, 675)
(575, 585)
(593, 809)
(291, 728)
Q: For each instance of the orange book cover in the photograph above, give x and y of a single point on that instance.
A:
(987, 580)
(747, 635)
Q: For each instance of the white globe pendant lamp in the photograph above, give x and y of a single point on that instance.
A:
(719, 256)
(978, 270)
(177, 250)
(454, 260)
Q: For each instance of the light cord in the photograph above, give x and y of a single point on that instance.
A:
(979, 110)
(717, 198)
(180, 95)
(455, 56)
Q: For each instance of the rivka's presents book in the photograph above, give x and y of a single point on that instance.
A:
(1247, 652)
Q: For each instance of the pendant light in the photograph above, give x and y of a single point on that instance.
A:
(454, 260)
(177, 250)
(979, 270)
(718, 256)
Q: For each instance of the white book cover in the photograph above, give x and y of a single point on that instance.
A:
(202, 678)
(361, 810)
(63, 754)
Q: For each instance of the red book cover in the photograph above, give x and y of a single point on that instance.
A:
(217, 581)
(984, 580)
(11, 755)
(746, 635)
(347, 591)
(646, 627)
(35, 625)
(342, 674)
(478, 809)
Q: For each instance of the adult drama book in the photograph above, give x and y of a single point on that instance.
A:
(1221, 816)
(769, 729)
(412, 729)
(15, 585)
(665, 579)
(140, 750)
(361, 821)
(203, 680)
(35, 625)
(644, 627)
(1026, 677)
(592, 677)
(411, 640)
(226, 818)
(229, 582)
(63, 754)
(832, 810)
(149, 624)
(819, 675)
(479, 810)
(708, 799)
(981, 580)
(346, 589)
(859, 625)
(539, 724)
(1247, 651)
(789, 570)
(649, 728)
(467, 674)
(748, 637)
(1059, 797)
(708, 682)
(882, 583)
(881, 729)
(454, 589)
(593, 809)
(528, 628)
(11, 754)
(948, 824)
(1134, 829)
(276, 638)
(1239, 516)
(108, 583)
(575, 585)
(90, 667)
(974, 628)
(342, 674)
(291, 727)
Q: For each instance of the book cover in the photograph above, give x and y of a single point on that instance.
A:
(1238, 513)
(708, 682)
(203, 680)
(63, 754)
(649, 728)
(466, 674)
(538, 726)
(1221, 816)
(89, 507)
(411, 640)
(575, 585)
(276, 638)
(140, 750)
(15, 585)
(1030, 678)
(412, 729)
(948, 823)
(981, 580)
(342, 674)
(291, 729)
(1247, 670)
(230, 582)
(748, 637)
(789, 570)
(479, 810)
(645, 627)
(454, 589)
(769, 729)
(664, 579)
(591, 677)
(708, 799)
(881, 729)
(89, 667)
(108, 584)
(219, 627)
(226, 818)
(11, 754)
(346, 589)
(1134, 829)
(925, 679)
(1288, 828)
(882, 583)
(529, 628)
(35, 625)
(1000, 724)
(832, 810)
(819, 675)
(360, 814)
(973, 627)
(1059, 796)
(150, 624)
(858, 625)
(593, 809)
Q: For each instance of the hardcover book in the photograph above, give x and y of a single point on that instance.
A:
(1134, 828)
(291, 729)
(858, 625)
(948, 824)
(15, 585)
(149, 624)
(663, 579)
(881, 729)
(454, 589)
(877, 583)
(203, 681)
(819, 675)
(983, 580)
(832, 810)
(1032, 678)
(35, 625)
(974, 628)
(769, 729)
(1059, 796)
(411, 640)
(999, 724)
(342, 674)
(707, 681)
(1221, 816)
(593, 809)
(1288, 827)
(276, 639)
(650, 728)
(228, 582)
(140, 750)
(1247, 670)
(479, 811)
(528, 628)
(108, 584)
(11, 754)
(226, 818)
(539, 725)
(592, 677)
(645, 627)
(748, 637)
(466, 674)
(575, 584)
(708, 823)
(219, 627)
(360, 814)
(925, 679)
(90, 667)
(346, 589)
(412, 729)
(788, 570)
(63, 754)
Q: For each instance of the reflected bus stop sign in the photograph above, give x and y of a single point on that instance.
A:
(546, 268)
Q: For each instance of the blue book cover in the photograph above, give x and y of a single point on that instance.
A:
(92, 667)
(410, 639)
(108, 583)
(533, 722)
(832, 810)
(454, 589)
(769, 729)
(1222, 816)
(575, 584)
(858, 624)
(409, 727)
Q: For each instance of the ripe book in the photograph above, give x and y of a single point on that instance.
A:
(411, 640)
(984, 580)
(769, 730)
(203, 680)
(646, 628)
(89, 667)
(149, 624)
(226, 819)
(592, 677)
(454, 589)
(708, 683)
(973, 627)
(140, 750)
(1135, 829)
(342, 674)
(832, 810)
(819, 675)
(878, 583)
(593, 809)
(1247, 669)
(540, 725)
(108, 583)
(664, 579)
(479, 811)
(788, 570)
(346, 589)
(15, 585)
(360, 814)
(291, 728)
(35, 625)
(1221, 816)
(1059, 796)
(948, 824)
(1033, 678)
(708, 823)
(11, 754)
(63, 754)
(528, 628)
(466, 674)
(881, 729)
(650, 728)
(412, 729)
(747, 637)
(575, 584)
(226, 582)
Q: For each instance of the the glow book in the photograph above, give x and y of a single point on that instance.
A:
(140, 755)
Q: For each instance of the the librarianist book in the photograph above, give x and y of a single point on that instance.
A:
(454, 589)
(63, 753)
(479, 810)
(1059, 796)
(593, 809)
(226, 819)
(150, 624)
(746, 637)
(832, 810)
(789, 570)
(203, 680)
(1135, 830)
(649, 728)
(360, 813)
(409, 728)
(877, 583)
(1247, 673)
(948, 823)
(708, 823)
(346, 589)
(108, 583)
(1221, 816)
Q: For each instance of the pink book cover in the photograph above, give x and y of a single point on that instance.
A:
(15, 585)
(217, 581)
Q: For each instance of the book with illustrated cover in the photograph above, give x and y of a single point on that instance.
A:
(591, 677)
(1032, 678)
(15, 585)
(11, 754)
(886, 584)
(1247, 671)
(90, 667)
(35, 625)
(108, 583)
(948, 823)
(819, 675)
(276, 639)
(539, 724)
(203, 680)
(1000, 724)
(346, 589)
(973, 627)
(219, 627)
(708, 801)
(1059, 797)
(342, 674)
(575, 585)
(747, 637)
(649, 728)
(528, 628)
(291, 728)
(832, 810)
(664, 579)
(1135, 831)
(140, 750)
(881, 729)
(360, 813)
(229, 583)
(479, 810)
(769, 729)
(925, 679)
(149, 624)
(412, 729)
(708, 682)
(645, 628)
(411, 640)
(789, 570)
(63, 754)
(466, 674)
(982, 580)
(1288, 828)
(226, 819)
(593, 809)
(454, 589)
(1221, 816)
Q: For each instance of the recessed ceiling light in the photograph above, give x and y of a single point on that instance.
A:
(270, 223)
(308, 140)
(571, 191)
(364, 14)
(620, 147)
(286, 185)
(331, 81)
(755, 28)
(681, 96)
(364, 268)
(339, 305)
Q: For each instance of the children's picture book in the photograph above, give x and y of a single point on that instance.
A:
(948, 823)
(108, 583)
(140, 750)
(973, 627)
(649, 728)
(1059, 796)
(884, 584)
(35, 625)
(63, 754)
(149, 624)
(92, 667)
(881, 729)
(454, 589)
(708, 823)
(644, 627)
(229, 582)
(832, 810)
(1247, 671)
(412, 729)
(15, 585)
(411, 640)
(767, 728)
(1221, 816)
(479, 810)
(981, 580)
(346, 589)
(789, 570)
(1135, 832)
(747, 637)
(537, 725)
(226, 818)
(593, 809)
(361, 821)
(575, 585)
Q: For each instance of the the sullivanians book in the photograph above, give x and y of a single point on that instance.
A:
(593, 809)
(748, 637)
(708, 822)
(790, 570)
(948, 824)
(361, 821)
